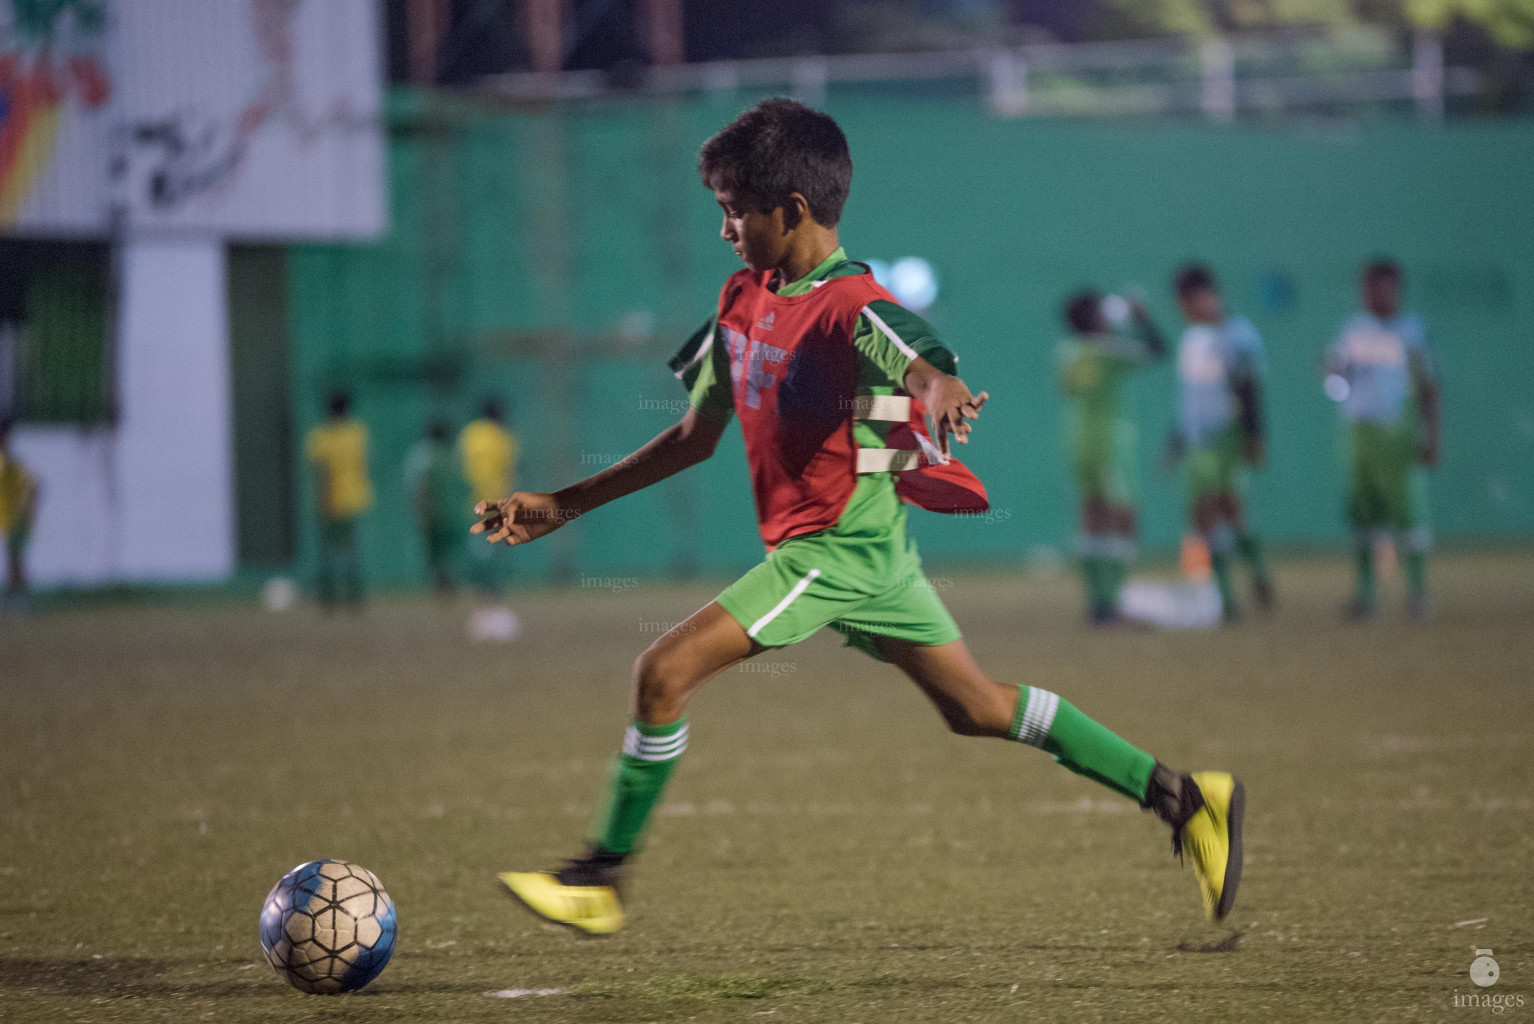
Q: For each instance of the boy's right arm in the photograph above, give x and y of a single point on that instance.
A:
(526, 516)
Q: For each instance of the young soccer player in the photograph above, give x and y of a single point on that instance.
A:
(338, 451)
(1391, 407)
(435, 495)
(1095, 360)
(1219, 370)
(18, 502)
(822, 367)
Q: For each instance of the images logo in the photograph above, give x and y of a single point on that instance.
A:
(1483, 969)
(1485, 973)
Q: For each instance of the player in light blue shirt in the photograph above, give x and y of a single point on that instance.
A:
(1219, 373)
(1380, 371)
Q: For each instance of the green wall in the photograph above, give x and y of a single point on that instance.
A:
(260, 348)
(519, 236)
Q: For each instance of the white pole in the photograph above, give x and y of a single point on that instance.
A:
(810, 76)
(1009, 83)
(1427, 75)
(1218, 58)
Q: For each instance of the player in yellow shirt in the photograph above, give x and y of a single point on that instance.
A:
(488, 452)
(338, 451)
(18, 500)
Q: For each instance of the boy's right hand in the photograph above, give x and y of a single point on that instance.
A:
(523, 517)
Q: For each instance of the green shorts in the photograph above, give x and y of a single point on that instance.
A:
(1215, 466)
(862, 578)
(1102, 461)
(1381, 487)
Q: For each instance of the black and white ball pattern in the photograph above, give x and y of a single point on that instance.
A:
(328, 927)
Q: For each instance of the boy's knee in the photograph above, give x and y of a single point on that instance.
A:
(658, 681)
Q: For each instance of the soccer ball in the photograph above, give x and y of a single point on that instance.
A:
(328, 927)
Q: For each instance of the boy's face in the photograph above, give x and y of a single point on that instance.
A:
(759, 239)
(1202, 306)
(1382, 295)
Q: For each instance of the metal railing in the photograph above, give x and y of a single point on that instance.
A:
(1219, 78)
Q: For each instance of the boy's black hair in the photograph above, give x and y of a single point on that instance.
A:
(339, 403)
(1194, 277)
(493, 410)
(438, 430)
(1382, 267)
(1082, 311)
(775, 149)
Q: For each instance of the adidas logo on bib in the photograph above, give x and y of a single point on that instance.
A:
(765, 323)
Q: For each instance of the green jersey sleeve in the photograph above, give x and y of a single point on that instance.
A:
(891, 336)
(703, 367)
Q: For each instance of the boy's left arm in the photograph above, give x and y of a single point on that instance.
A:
(1246, 385)
(948, 401)
(906, 348)
(1146, 332)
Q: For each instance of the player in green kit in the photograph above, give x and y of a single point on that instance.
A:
(829, 378)
(1095, 361)
(1220, 430)
(431, 482)
(1389, 397)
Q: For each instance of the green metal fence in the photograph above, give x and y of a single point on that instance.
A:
(557, 258)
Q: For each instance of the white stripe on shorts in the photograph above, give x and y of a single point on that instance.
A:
(782, 606)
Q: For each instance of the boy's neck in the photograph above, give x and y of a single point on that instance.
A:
(808, 250)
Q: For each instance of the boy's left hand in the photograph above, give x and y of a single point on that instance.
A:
(950, 406)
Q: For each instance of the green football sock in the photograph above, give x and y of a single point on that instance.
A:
(1089, 577)
(1363, 560)
(1043, 719)
(639, 775)
(1250, 550)
(1118, 571)
(1415, 563)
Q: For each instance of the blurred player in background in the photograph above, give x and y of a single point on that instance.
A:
(488, 452)
(1220, 429)
(18, 501)
(1384, 377)
(1096, 359)
(338, 451)
(826, 372)
(432, 483)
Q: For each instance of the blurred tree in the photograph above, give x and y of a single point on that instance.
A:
(1509, 22)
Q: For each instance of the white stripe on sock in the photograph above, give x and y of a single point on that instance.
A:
(782, 605)
(654, 748)
(1038, 716)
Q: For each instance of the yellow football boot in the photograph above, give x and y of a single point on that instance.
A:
(581, 896)
(1212, 840)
